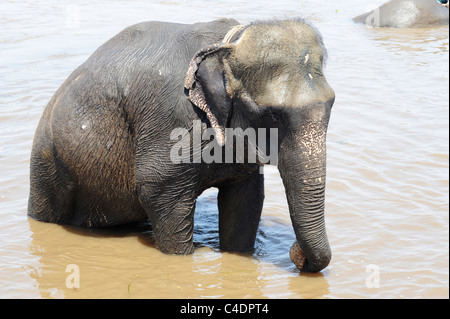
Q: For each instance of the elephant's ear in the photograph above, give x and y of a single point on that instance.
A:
(205, 80)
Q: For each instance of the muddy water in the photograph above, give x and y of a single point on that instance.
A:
(387, 188)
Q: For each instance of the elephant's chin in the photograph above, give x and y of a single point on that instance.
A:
(297, 256)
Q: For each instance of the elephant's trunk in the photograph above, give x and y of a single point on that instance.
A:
(302, 166)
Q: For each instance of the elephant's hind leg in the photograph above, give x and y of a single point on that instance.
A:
(240, 207)
(51, 189)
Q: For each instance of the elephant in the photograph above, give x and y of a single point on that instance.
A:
(406, 14)
(101, 154)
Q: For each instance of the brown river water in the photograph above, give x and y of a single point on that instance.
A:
(387, 197)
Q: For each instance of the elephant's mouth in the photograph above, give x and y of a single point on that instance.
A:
(297, 256)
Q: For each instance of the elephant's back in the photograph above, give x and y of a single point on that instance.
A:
(97, 111)
(155, 47)
(145, 66)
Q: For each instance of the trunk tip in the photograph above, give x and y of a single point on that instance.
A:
(298, 257)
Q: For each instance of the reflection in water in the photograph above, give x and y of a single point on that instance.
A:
(433, 40)
(124, 263)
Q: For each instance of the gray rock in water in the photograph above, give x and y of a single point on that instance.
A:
(406, 14)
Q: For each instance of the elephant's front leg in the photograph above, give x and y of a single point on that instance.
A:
(171, 216)
(240, 207)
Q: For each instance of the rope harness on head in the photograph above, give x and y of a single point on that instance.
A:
(230, 34)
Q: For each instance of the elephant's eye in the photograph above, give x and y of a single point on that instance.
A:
(276, 117)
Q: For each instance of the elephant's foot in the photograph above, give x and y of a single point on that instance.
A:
(296, 255)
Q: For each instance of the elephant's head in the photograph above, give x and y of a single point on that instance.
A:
(270, 74)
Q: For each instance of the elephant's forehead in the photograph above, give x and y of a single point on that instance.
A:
(268, 44)
(294, 90)
(281, 64)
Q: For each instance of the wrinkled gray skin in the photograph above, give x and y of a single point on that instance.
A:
(406, 14)
(101, 153)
